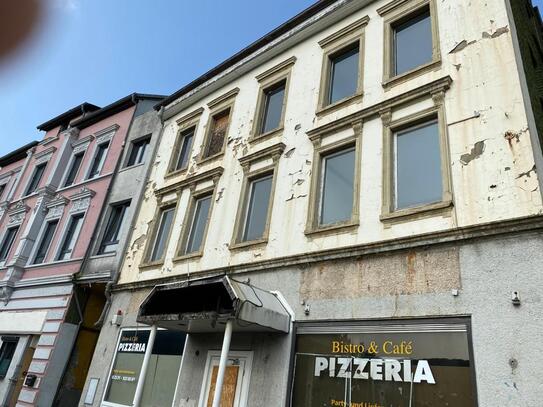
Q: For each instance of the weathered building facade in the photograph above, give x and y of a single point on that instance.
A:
(347, 212)
(51, 218)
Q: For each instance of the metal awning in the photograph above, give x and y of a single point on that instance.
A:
(204, 305)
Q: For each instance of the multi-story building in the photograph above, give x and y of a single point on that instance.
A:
(48, 229)
(346, 212)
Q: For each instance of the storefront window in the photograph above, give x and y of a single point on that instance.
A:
(400, 365)
(162, 371)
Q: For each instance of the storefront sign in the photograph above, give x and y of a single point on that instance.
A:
(385, 366)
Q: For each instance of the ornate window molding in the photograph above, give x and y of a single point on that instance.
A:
(17, 213)
(44, 156)
(81, 200)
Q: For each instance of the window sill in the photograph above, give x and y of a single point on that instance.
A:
(249, 244)
(336, 227)
(103, 255)
(266, 136)
(188, 256)
(433, 65)
(53, 263)
(408, 214)
(340, 104)
(86, 181)
(131, 167)
(150, 265)
(176, 173)
(210, 158)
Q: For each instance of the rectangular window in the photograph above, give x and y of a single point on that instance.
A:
(45, 242)
(185, 148)
(198, 225)
(9, 344)
(344, 67)
(74, 168)
(36, 178)
(257, 204)
(113, 228)
(162, 233)
(2, 188)
(99, 159)
(70, 237)
(217, 133)
(418, 176)
(7, 242)
(412, 39)
(337, 187)
(384, 363)
(137, 153)
(273, 107)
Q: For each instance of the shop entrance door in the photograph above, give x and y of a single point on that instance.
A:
(25, 364)
(236, 379)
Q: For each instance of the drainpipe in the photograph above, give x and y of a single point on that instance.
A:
(222, 362)
(144, 366)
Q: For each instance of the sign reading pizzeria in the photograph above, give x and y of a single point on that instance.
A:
(392, 365)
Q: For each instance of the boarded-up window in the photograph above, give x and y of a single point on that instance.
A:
(217, 134)
(228, 395)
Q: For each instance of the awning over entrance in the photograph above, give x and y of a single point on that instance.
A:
(205, 305)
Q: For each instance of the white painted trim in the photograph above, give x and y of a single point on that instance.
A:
(37, 242)
(60, 242)
(187, 336)
(246, 376)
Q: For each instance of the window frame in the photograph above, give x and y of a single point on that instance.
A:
(126, 206)
(320, 152)
(65, 229)
(144, 139)
(39, 240)
(268, 80)
(31, 179)
(399, 11)
(332, 46)
(5, 340)
(185, 124)
(188, 222)
(89, 176)
(390, 128)
(271, 154)
(3, 241)
(162, 207)
(218, 106)
(69, 168)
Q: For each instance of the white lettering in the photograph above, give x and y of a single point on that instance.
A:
(321, 364)
(392, 370)
(423, 372)
(360, 366)
(376, 369)
(344, 371)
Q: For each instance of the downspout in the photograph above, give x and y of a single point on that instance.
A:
(117, 271)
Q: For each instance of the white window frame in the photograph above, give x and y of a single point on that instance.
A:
(65, 226)
(37, 242)
(3, 236)
(69, 167)
(246, 376)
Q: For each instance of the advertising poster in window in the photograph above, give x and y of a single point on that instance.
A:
(395, 367)
(127, 366)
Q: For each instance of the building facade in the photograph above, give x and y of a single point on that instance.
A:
(347, 212)
(49, 224)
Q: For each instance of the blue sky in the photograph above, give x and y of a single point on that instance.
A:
(98, 51)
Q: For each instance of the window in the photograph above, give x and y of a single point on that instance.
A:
(342, 70)
(217, 134)
(198, 224)
(273, 107)
(2, 188)
(70, 237)
(9, 344)
(344, 74)
(74, 168)
(417, 166)
(7, 242)
(258, 204)
(337, 187)
(36, 178)
(411, 40)
(110, 239)
(137, 153)
(162, 233)
(99, 159)
(184, 149)
(45, 242)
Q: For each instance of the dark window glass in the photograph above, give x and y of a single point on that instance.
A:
(7, 242)
(418, 166)
(2, 188)
(162, 234)
(337, 187)
(257, 208)
(74, 169)
(412, 43)
(70, 238)
(113, 228)
(273, 107)
(185, 148)
(344, 74)
(219, 125)
(137, 154)
(6, 354)
(36, 178)
(99, 159)
(198, 225)
(45, 241)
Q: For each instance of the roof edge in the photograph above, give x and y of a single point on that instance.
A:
(17, 154)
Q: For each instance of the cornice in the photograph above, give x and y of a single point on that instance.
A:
(225, 97)
(281, 67)
(345, 31)
(189, 116)
(212, 174)
(272, 151)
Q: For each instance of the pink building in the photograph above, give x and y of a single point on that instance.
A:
(52, 195)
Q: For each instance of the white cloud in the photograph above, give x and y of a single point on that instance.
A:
(67, 5)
